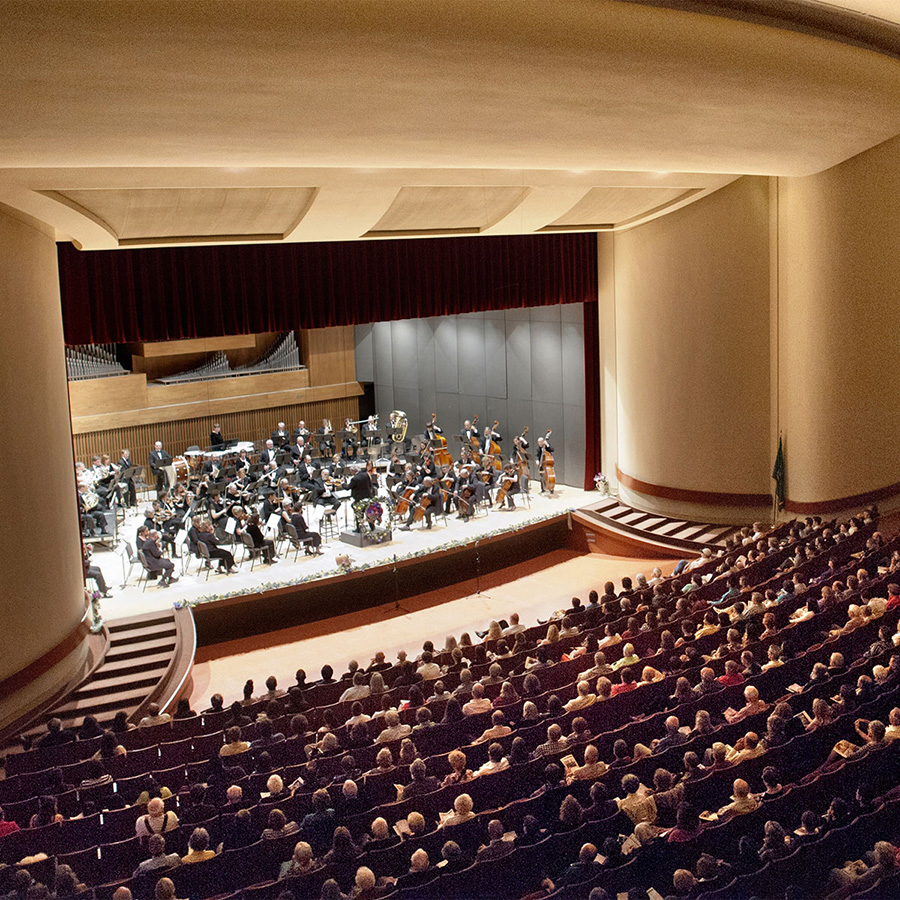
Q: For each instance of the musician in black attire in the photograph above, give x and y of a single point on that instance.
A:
(370, 433)
(90, 520)
(428, 469)
(468, 432)
(361, 488)
(431, 430)
(307, 474)
(325, 436)
(269, 454)
(215, 437)
(156, 562)
(430, 490)
(155, 517)
(225, 558)
(323, 493)
(298, 450)
(159, 459)
(543, 446)
(129, 488)
(280, 437)
(250, 526)
(303, 533)
(300, 431)
(489, 435)
(349, 445)
(509, 474)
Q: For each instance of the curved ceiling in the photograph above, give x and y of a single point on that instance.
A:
(526, 110)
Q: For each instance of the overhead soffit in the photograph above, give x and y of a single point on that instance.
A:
(609, 206)
(364, 90)
(426, 210)
(148, 215)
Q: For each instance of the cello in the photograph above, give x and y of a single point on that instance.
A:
(547, 470)
(508, 480)
(475, 444)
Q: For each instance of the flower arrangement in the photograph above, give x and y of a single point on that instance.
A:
(369, 514)
(601, 483)
(96, 615)
(345, 562)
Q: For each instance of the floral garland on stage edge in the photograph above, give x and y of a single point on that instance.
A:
(601, 483)
(368, 514)
(347, 567)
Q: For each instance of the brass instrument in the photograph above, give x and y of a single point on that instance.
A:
(90, 499)
(399, 422)
(362, 422)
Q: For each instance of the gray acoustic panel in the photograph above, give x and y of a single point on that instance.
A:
(471, 405)
(407, 400)
(470, 354)
(449, 416)
(383, 353)
(573, 421)
(425, 342)
(404, 347)
(384, 402)
(364, 353)
(520, 413)
(546, 362)
(497, 409)
(517, 315)
(518, 358)
(496, 314)
(572, 313)
(573, 363)
(544, 314)
(446, 362)
(495, 357)
(427, 406)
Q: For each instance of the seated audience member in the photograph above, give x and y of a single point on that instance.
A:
(683, 884)
(732, 674)
(198, 847)
(479, 702)
(752, 707)
(459, 773)
(452, 859)
(420, 781)
(420, 871)
(555, 742)
(583, 869)
(571, 814)
(687, 824)
(240, 831)
(497, 729)
(583, 699)
(277, 826)
(637, 803)
(742, 801)
(234, 745)
(318, 826)
(393, 730)
(672, 738)
(158, 820)
(775, 844)
(748, 747)
(300, 862)
(856, 877)
(381, 835)
(154, 717)
(159, 859)
(809, 828)
(593, 767)
(599, 668)
(496, 847)
(195, 808)
(668, 797)
(461, 812)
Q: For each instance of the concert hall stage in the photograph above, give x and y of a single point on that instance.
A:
(291, 593)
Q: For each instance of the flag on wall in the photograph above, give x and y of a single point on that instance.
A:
(778, 474)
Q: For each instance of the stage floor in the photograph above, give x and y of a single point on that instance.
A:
(194, 587)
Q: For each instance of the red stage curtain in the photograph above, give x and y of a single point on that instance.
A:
(114, 296)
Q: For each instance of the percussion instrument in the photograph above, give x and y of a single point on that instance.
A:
(182, 469)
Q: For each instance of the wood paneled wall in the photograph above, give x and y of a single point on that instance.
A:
(245, 425)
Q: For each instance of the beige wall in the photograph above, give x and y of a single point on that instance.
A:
(692, 344)
(42, 600)
(839, 311)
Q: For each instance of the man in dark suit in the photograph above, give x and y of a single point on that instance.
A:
(156, 562)
(361, 488)
(298, 450)
(128, 484)
(306, 474)
(159, 459)
(269, 454)
(300, 431)
(215, 437)
(280, 436)
(431, 491)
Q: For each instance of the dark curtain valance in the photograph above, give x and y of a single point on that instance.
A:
(112, 296)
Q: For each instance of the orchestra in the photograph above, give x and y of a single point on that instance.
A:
(234, 491)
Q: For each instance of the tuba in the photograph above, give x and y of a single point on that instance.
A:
(399, 422)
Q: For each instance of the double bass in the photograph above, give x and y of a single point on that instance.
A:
(494, 451)
(438, 445)
(549, 473)
(475, 444)
(520, 457)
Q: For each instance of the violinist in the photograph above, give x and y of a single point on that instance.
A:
(270, 505)
(151, 545)
(193, 536)
(218, 510)
(323, 492)
(182, 502)
(271, 473)
(326, 438)
(349, 445)
(426, 501)
(249, 525)
(242, 462)
(427, 468)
